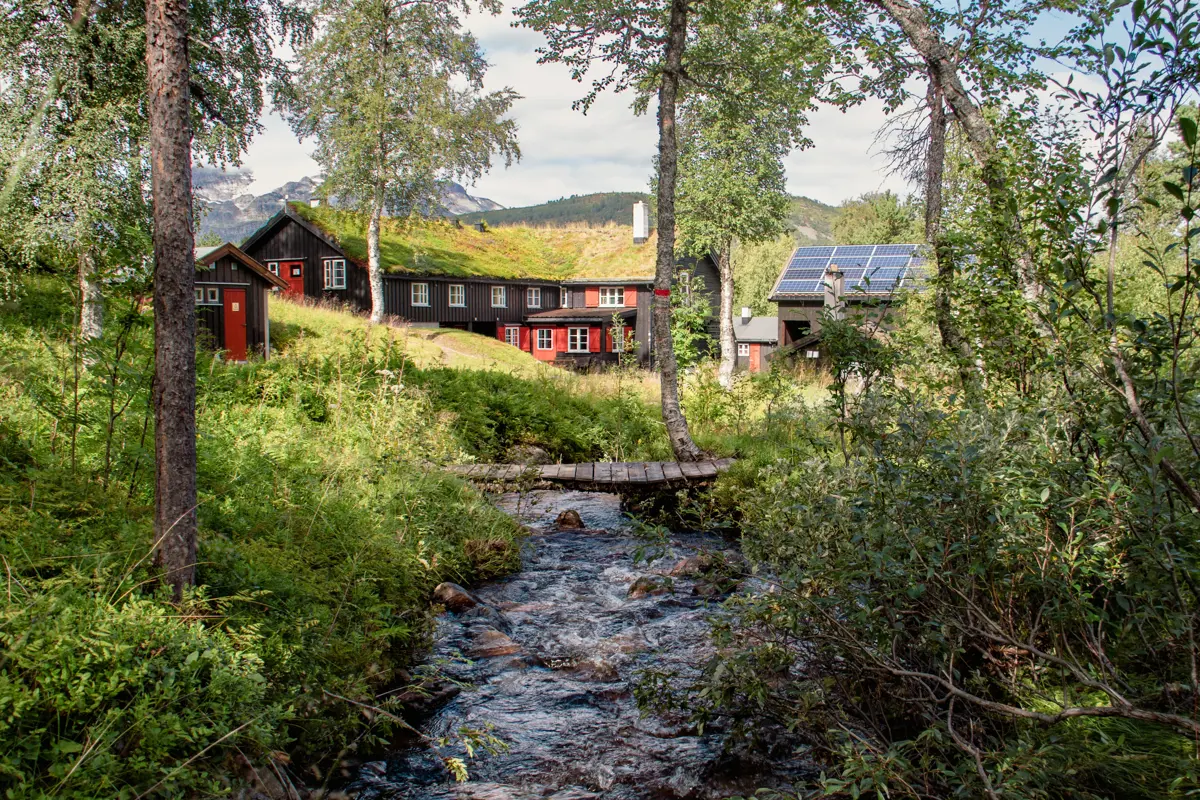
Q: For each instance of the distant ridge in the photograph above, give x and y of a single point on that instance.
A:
(810, 220)
(602, 208)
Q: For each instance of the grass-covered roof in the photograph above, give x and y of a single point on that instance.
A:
(437, 247)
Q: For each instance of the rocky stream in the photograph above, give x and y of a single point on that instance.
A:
(548, 659)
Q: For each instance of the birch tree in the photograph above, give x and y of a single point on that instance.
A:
(380, 91)
(734, 51)
(732, 187)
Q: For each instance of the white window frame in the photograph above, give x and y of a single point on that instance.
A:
(419, 290)
(461, 290)
(612, 296)
(618, 337)
(273, 268)
(212, 295)
(199, 295)
(586, 341)
(743, 350)
(335, 273)
(813, 354)
(503, 294)
(533, 297)
(515, 333)
(565, 297)
(549, 332)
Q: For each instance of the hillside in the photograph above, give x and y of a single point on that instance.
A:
(603, 208)
(811, 221)
(444, 248)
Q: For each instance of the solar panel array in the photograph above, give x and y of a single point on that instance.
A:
(871, 269)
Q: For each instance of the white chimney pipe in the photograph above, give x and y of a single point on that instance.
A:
(641, 223)
(745, 314)
(833, 291)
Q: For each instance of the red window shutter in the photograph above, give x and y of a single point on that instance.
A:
(500, 332)
(560, 340)
(591, 296)
(594, 340)
(524, 340)
(631, 297)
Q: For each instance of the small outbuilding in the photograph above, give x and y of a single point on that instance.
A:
(757, 339)
(232, 292)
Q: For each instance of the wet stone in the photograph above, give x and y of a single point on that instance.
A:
(454, 597)
(490, 643)
(569, 520)
(646, 586)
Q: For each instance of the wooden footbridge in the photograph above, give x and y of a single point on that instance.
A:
(602, 475)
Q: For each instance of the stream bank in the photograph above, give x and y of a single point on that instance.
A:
(548, 661)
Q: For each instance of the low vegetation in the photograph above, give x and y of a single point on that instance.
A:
(323, 530)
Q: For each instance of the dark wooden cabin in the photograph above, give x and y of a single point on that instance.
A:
(232, 291)
(310, 262)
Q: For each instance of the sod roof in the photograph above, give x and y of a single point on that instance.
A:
(439, 247)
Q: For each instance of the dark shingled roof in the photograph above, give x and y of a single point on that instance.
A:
(582, 315)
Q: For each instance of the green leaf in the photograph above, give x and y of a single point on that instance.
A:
(1187, 129)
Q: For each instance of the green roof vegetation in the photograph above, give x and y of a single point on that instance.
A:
(437, 247)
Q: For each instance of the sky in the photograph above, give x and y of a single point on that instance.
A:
(565, 152)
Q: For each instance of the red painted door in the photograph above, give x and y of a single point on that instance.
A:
(235, 324)
(293, 273)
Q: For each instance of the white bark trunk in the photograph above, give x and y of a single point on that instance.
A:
(91, 306)
(374, 267)
(728, 344)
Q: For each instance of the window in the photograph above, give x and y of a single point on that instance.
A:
(513, 336)
(214, 294)
(620, 335)
(420, 294)
(499, 297)
(577, 340)
(199, 295)
(335, 273)
(743, 349)
(533, 298)
(458, 295)
(566, 297)
(273, 267)
(813, 353)
(612, 296)
(297, 271)
(545, 339)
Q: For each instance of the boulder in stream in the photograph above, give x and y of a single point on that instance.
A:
(645, 586)
(569, 520)
(454, 597)
(490, 643)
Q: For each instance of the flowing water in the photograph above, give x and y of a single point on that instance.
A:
(558, 691)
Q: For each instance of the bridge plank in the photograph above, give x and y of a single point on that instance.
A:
(708, 469)
(637, 473)
(604, 472)
(584, 472)
(690, 469)
(654, 472)
(671, 471)
(620, 472)
(724, 463)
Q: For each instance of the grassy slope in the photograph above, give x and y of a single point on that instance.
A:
(503, 252)
(323, 527)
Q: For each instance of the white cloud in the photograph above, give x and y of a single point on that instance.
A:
(565, 152)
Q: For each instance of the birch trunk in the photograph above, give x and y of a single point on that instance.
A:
(728, 344)
(374, 267)
(935, 165)
(91, 304)
(174, 281)
(914, 22)
(668, 155)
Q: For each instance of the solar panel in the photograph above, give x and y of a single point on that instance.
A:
(866, 268)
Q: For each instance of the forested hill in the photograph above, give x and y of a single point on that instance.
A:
(812, 221)
(587, 209)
